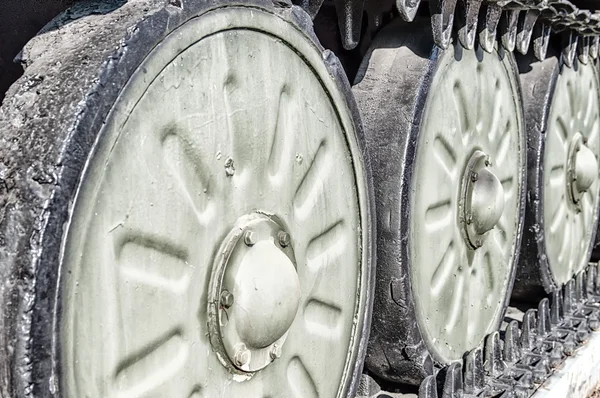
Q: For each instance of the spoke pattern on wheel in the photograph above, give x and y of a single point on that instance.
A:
(324, 301)
(445, 155)
(504, 144)
(594, 131)
(439, 215)
(280, 152)
(143, 324)
(197, 393)
(190, 170)
(574, 111)
(488, 272)
(158, 258)
(509, 190)
(558, 217)
(322, 318)
(496, 111)
(301, 382)
(187, 157)
(166, 357)
(444, 269)
(455, 308)
(460, 103)
(557, 175)
(449, 278)
(313, 182)
(326, 247)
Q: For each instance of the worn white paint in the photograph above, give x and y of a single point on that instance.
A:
(578, 376)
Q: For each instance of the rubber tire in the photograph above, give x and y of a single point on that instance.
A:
(538, 80)
(595, 256)
(392, 110)
(49, 126)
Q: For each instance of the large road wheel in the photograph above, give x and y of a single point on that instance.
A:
(562, 105)
(186, 209)
(448, 155)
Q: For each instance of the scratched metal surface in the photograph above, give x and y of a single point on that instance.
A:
(578, 376)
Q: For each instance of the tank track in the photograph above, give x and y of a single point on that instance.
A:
(517, 24)
(515, 361)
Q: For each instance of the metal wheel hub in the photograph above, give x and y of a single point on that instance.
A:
(482, 199)
(582, 170)
(255, 293)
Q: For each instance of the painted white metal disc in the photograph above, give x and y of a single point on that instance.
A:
(232, 113)
(569, 230)
(473, 104)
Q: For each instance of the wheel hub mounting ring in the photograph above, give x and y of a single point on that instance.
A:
(582, 170)
(482, 200)
(254, 294)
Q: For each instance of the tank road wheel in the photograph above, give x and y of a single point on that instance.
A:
(448, 159)
(188, 211)
(563, 121)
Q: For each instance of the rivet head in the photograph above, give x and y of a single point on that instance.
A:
(284, 239)
(474, 177)
(241, 356)
(488, 162)
(226, 299)
(275, 352)
(249, 238)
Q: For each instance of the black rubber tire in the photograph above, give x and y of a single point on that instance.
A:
(392, 110)
(538, 79)
(595, 256)
(396, 349)
(49, 127)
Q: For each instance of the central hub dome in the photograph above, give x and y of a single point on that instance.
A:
(255, 293)
(267, 292)
(482, 199)
(582, 170)
(487, 201)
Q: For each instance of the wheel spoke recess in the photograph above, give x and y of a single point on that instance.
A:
(448, 160)
(570, 184)
(218, 242)
(466, 201)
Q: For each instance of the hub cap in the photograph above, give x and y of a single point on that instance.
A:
(255, 293)
(582, 170)
(570, 190)
(466, 205)
(217, 243)
(482, 199)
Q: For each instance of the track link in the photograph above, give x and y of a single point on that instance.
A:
(516, 360)
(518, 24)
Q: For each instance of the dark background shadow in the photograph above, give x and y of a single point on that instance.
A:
(21, 20)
